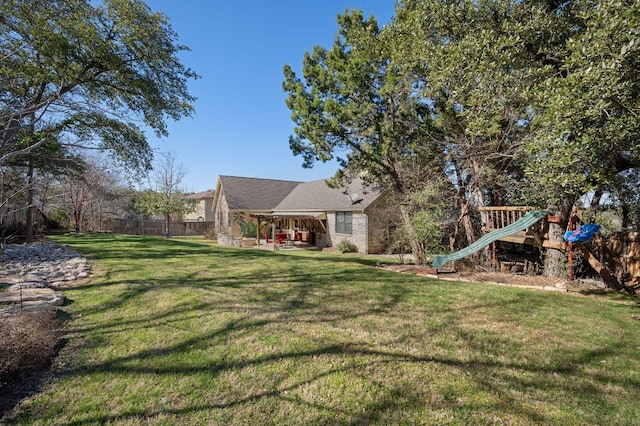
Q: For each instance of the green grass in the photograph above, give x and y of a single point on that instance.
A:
(181, 331)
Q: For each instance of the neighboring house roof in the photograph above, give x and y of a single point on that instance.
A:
(318, 196)
(244, 193)
(200, 195)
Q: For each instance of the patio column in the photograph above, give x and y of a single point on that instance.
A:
(257, 231)
(273, 233)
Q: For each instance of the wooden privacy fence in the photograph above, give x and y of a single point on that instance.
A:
(156, 227)
(621, 252)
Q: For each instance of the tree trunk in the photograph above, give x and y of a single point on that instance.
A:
(416, 247)
(77, 216)
(594, 206)
(626, 214)
(465, 218)
(469, 232)
(555, 264)
(29, 211)
(167, 225)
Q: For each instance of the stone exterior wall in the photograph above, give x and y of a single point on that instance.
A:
(369, 228)
(379, 213)
(358, 235)
(228, 240)
(208, 210)
(330, 237)
(222, 216)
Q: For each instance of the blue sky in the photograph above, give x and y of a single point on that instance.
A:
(242, 125)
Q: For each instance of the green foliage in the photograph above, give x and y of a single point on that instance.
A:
(429, 215)
(427, 224)
(58, 216)
(476, 63)
(248, 229)
(358, 104)
(512, 102)
(587, 128)
(165, 196)
(88, 75)
(345, 246)
(151, 203)
(354, 105)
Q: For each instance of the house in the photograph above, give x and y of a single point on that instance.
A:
(201, 207)
(310, 212)
(241, 198)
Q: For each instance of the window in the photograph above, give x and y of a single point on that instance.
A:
(343, 222)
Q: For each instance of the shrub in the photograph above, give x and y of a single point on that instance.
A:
(28, 342)
(345, 246)
(211, 234)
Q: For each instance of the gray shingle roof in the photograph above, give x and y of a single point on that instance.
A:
(243, 193)
(200, 195)
(317, 196)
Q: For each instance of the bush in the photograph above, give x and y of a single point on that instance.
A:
(211, 234)
(28, 342)
(346, 247)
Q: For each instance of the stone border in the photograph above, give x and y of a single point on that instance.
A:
(32, 273)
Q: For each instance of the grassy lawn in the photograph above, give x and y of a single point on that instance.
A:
(181, 331)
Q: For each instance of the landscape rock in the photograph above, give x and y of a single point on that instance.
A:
(562, 284)
(32, 272)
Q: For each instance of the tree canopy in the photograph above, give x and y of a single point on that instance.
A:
(355, 105)
(529, 102)
(587, 123)
(89, 75)
(164, 194)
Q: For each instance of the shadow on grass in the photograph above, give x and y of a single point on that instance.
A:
(345, 303)
(116, 246)
(396, 396)
(321, 294)
(613, 295)
(488, 370)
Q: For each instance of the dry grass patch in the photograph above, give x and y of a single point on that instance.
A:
(28, 342)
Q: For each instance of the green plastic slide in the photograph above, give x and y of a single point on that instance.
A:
(521, 224)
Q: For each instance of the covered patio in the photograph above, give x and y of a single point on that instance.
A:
(291, 230)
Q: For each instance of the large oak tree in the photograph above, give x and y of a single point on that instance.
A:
(90, 74)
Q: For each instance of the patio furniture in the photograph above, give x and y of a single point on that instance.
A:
(281, 237)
